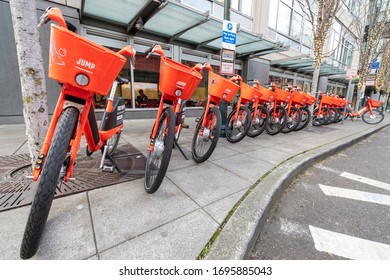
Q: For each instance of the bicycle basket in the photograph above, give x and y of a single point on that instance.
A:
(327, 100)
(267, 95)
(283, 95)
(222, 88)
(177, 80)
(310, 99)
(375, 103)
(299, 98)
(249, 93)
(82, 63)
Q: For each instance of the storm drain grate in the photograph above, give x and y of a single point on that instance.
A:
(16, 190)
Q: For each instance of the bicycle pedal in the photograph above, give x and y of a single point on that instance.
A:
(29, 177)
(108, 168)
(184, 125)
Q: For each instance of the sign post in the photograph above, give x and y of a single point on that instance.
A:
(228, 56)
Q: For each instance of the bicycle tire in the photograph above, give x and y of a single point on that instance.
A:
(322, 119)
(241, 127)
(158, 160)
(295, 116)
(276, 123)
(334, 115)
(378, 116)
(259, 122)
(112, 143)
(199, 152)
(48, 181)
(305, 118)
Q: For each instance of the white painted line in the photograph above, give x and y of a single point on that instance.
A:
(347, 246)
(365, 180)
(357, 195)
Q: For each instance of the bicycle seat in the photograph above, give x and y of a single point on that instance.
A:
(122, 80)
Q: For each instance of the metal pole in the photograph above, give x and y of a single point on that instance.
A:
(223, 104)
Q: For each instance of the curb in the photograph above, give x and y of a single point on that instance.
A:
(238, 236)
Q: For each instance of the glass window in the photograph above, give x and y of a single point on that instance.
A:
(284, 18)
(234, 4)
(273, 14)
(296, 26)
(246, 7)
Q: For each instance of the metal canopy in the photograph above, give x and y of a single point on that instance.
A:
(174, 23)
(305, 66)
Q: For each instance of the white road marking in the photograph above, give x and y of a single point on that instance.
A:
(357, 195)
(348, 246)
(365, 180)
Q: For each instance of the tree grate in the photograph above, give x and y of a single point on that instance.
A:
(17, 191)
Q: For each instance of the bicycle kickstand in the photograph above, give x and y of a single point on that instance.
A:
(181, 150)
(108, 168)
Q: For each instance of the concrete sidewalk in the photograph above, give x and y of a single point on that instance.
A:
(176, 222)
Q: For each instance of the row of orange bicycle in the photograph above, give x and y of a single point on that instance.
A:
(84, 68)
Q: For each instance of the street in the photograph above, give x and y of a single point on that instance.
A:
(337, 209)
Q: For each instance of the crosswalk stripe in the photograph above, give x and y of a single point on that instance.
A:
(357, 195)
(365, 180)
(348, 246)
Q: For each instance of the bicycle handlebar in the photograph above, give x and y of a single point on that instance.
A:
(52, 13)
(155, 49)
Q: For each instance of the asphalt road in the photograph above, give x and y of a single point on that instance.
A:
(329, 213)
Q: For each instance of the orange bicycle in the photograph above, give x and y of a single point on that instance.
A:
(83, 68)
(177, 83)
(208, 128)
(372, 113)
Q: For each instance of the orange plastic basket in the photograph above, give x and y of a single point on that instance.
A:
(299, 98)
(375, 103)
(222, 88)
(327, 100)
(267, 95)
(310, 99)
(249, 93)
(176, 76)
(72, 55)
(283, 95)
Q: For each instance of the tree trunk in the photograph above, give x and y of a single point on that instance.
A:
(314, 84)
(31, 72)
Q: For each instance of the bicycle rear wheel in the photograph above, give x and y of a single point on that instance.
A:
(376, 117)
(158, 159)
(305, 118)
(236, 130)
(56, 160)
(205, 139)
(259, 121)
(293, 120)
(277, 120)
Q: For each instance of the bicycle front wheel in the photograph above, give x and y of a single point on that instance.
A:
(277, 120)
(50, 175)
(305, 118)
(236, 129)
(206, 138)
(376, 117)
(259, 121)
(320, 117)
(293, 120)
(158, 159)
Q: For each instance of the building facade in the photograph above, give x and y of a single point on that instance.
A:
(273, 44)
